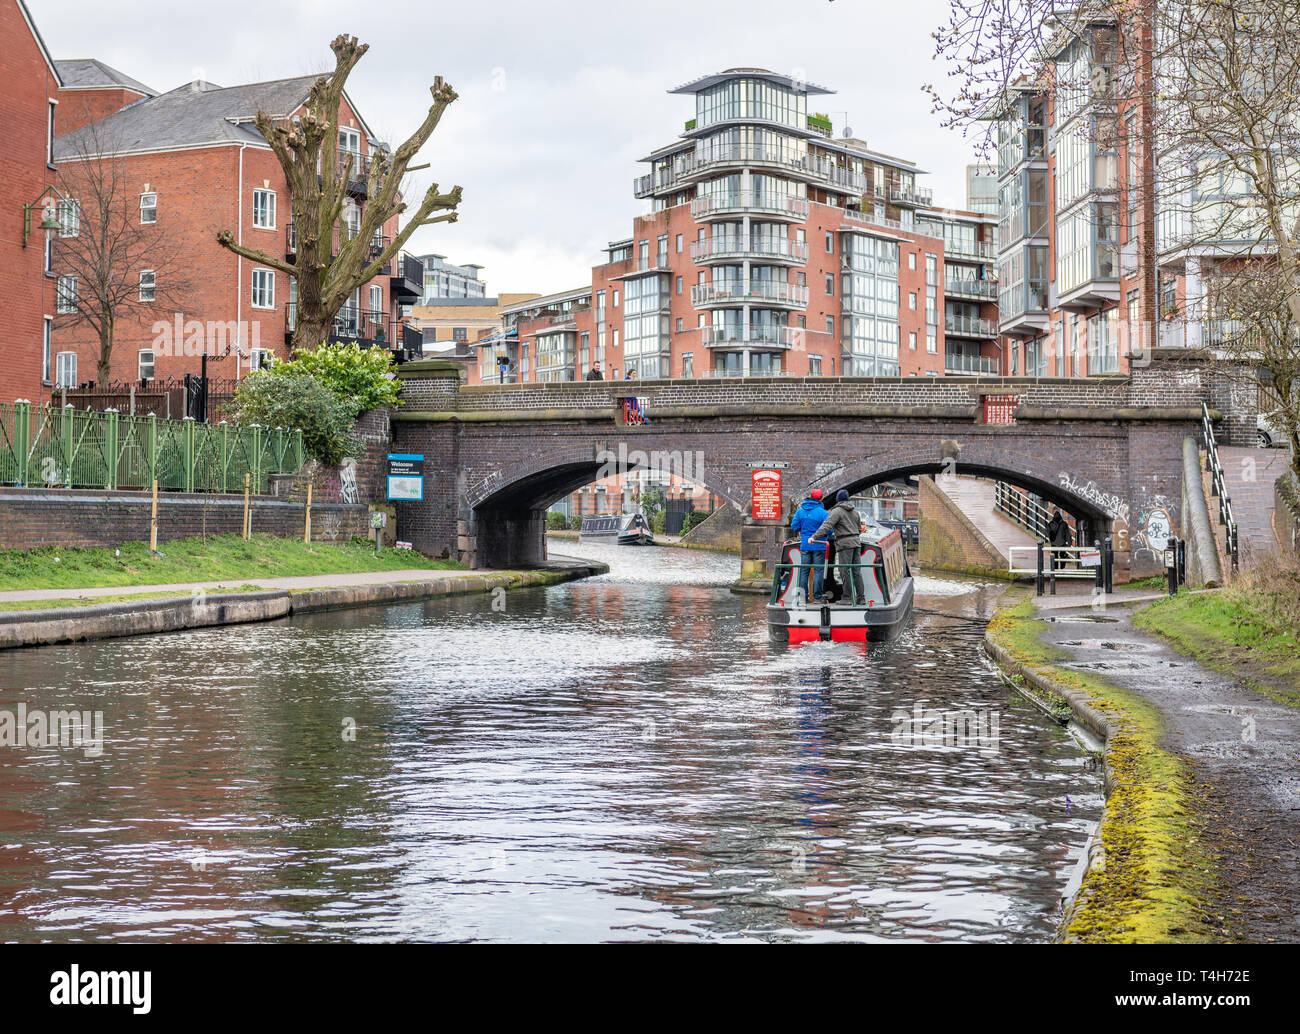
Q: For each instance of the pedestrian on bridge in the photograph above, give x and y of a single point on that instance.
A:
(1058, 534)
(845, 526)
(806, 520)
(594, 373)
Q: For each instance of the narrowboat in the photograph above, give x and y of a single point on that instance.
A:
(624, 529)
(886, 578)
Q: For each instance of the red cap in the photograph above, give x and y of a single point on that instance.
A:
(816, 493)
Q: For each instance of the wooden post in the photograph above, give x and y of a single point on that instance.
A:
(306, 531)
(248, 524)
(153, 520)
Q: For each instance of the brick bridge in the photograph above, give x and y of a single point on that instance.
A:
(1106, 449)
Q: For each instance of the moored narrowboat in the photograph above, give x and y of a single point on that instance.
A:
(886, 579)
(624, 529)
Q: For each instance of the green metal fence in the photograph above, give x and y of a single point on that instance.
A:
(74, 448)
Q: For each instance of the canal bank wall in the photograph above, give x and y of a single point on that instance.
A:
(203, 609)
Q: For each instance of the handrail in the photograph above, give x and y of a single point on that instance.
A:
(1067, 553)
(1218, 486)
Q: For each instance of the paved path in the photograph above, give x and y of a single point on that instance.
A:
(974, 497)
(317, 581)
(1250, 474)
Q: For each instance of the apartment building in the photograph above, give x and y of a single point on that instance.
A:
(29, 98)
(771, 247)
(456, 323)
(1071, 271)
(191, 163)
(443, 279)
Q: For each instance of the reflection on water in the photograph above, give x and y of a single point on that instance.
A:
(624, 758)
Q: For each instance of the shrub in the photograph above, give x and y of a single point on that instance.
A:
(575, 522)
(694, 519)
(359, 376)
(556, 521)
(298, 400)
(659, 522)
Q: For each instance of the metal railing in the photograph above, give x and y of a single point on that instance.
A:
(738, 292)
(754, 334)
(70, 448)
(858, 216)
(1027, 513)
(749, 201)
(967, 326)
(1218, 486)
(971, 288)
(956, 362)
(732, 245)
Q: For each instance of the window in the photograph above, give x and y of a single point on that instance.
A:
(679, 324)
(830, 325)
(45, 349)
(679, 285)
(679, 245)
(148, 208)
(264, 209)
(49, 138)
(258, 358)
(830, 283)
(616, 337)
(350, 140)
(65, 295)
(911, 300)
(911, 340)
(148, 284)
(263, 289)
(932, 344)
(144, 364)
(66, 370)
(911, 260)
(802, 279)
(49, 255)
(616, 299)
(459, 333)
(69, 218)
(377, 302)
(801, 236)
(830, 243)
(814, 366)
(688, 363)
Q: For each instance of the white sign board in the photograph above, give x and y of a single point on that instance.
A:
(1090, 558)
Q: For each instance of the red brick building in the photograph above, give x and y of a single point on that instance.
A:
(771, 247)
(29, 96)
(191, 164)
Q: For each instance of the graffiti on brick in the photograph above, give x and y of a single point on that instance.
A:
(330, 526)
(1108, 502)
(348, 480)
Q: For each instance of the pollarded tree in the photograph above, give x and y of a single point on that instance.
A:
(306, 148)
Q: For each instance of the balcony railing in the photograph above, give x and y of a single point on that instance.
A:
(356, 185)
(684, 167)
(985, 251)
(756, 334)
(736, 245)
(741, 201)
(738, 292)
(961, 287)
(913, 197)
(957, 362)
(856, 216)
(967, 326)
(407, 284)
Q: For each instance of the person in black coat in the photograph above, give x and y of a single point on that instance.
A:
(1058, 534)
(594, 373)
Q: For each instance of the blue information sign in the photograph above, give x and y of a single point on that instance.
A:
(405, 477)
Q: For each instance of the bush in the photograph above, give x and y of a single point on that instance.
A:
(298, 400)
(575, 522)
(693, 519)
(556, 521)
(659, 523)
(359, 376)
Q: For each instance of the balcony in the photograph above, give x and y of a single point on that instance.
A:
(755, 335)
(968, 326)
(409, 342)
(747, 202)
(757, 292)
(737, 247)
(961, 287)
(960, 363)
(363, 325)
(911, 197)
(407, 282)
(853, 215)
(982, 251)
(357, 177)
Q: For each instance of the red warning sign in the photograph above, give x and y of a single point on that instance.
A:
(766, 494)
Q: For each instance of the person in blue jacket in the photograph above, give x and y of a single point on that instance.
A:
(806, 520)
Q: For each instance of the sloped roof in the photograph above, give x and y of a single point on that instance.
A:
(88, 73)
(189, 116)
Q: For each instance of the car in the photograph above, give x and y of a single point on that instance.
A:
(1267, 433)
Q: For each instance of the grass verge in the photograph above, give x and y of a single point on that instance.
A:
(1158, 880)
(1250, 630)
(219, 558)
(120, 597)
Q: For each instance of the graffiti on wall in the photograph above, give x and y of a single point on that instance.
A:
(1107, 502)
(1154, 527)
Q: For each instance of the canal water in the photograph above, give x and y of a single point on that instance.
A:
(625, 758)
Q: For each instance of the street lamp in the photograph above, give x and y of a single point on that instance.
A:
(46, 201)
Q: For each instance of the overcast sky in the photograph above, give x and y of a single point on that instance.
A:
(558, 100)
